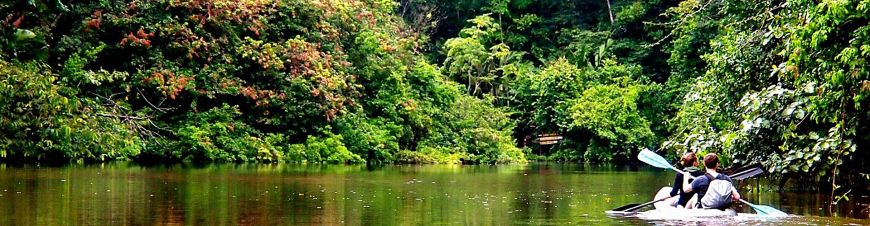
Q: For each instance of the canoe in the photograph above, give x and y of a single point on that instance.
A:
(674, 213)
(664, 211)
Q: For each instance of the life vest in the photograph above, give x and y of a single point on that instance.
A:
(718, 194)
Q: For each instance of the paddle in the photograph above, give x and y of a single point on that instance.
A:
(635, 207)
(746, 173)
(656, 160)
(765, 210)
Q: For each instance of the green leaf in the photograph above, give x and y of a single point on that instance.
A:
(24, 34)
(799, 114)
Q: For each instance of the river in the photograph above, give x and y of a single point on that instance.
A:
(228, 194)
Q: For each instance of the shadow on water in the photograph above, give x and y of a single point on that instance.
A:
(281, 194)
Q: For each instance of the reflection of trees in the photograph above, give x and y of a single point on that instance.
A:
(537, 191)
(15, 205)
(543, 183)
(521, 201)
(254, 199)
(270, 196)
(251, 207)
(442, 205)
(164, 201)
(302, 202)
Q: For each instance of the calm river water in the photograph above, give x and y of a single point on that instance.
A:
(535, 194)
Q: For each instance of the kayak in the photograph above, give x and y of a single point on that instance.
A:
(674, 213)
(665, 211)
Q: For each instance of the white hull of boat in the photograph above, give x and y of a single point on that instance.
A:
(674, 213)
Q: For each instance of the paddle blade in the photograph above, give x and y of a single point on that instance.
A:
(626, 207)
(636, 207)
(766, 210)
(769, 211)
(619, 213)
(653, 159)
(747, 173)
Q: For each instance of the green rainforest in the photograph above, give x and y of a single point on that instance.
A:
(779, 83)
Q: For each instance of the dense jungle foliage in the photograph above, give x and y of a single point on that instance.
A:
(781, 83)
(238, 81)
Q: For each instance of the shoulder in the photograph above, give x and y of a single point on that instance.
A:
(700, 180)
(723, 177)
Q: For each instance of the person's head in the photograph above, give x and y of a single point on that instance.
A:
(689, 159)
(711, 161)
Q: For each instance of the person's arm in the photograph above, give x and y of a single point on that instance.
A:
(734, 194)
(687, 187)
(678, 182)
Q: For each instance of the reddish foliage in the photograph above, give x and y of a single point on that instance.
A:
(179, 85)
(141, 33)
(141, 38)
(94, 22)
(210, 11)
(249, 92)
(792, 69)
(331, 113)
(409, 104)
(303, 56)
(256, 27)
(184, 36)
(261, 97)
(237, 11)
(130, 7)
(168, 82)
(18, 21)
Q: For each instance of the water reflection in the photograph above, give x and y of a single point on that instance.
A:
(127, 194)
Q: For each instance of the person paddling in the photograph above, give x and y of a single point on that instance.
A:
(713, 190)
(676, 196)
(689, 162)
